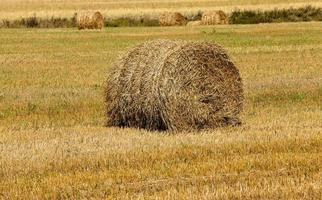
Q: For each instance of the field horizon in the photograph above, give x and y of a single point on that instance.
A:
(16, 9)
(54, 145)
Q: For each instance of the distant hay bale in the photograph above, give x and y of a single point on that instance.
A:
(174, 85)
(172, 19)
(89, 20)
(214, 18)
(194, 23)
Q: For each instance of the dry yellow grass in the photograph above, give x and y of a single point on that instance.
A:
(245, 163)
(53, 143)
(13, 9)
(194, 23)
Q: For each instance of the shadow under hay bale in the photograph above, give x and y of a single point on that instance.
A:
(214, 18)
(174, 85)
(89, 20)
(172, 19)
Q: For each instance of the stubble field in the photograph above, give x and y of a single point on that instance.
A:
(53, 143)
(15, 9)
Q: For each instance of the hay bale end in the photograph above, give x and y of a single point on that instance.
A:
(214, 18)
(172, 19)
(89, 20)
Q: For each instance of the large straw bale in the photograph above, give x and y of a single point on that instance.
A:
(89, 20)
(214, 18)
(172, 19)
(174, 85)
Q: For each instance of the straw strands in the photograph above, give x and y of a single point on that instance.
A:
(214, 18)
(172, 19)
(174, 85)
(89, 20)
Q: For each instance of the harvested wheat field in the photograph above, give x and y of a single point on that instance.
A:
(13, 9)
(54, 143)
(89, 20)
(174, 85)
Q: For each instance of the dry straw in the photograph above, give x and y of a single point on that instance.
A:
(90, 20)
(172, 19)
(174, 85)
(214, 17)
(194, 23)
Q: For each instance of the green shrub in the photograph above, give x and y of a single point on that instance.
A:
(34, 22)
(131, 21)
(307, 13)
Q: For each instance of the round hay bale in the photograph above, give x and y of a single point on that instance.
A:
(174, 85)
(172, 19)
(194, 23)
(214, 18)
(89, 20)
